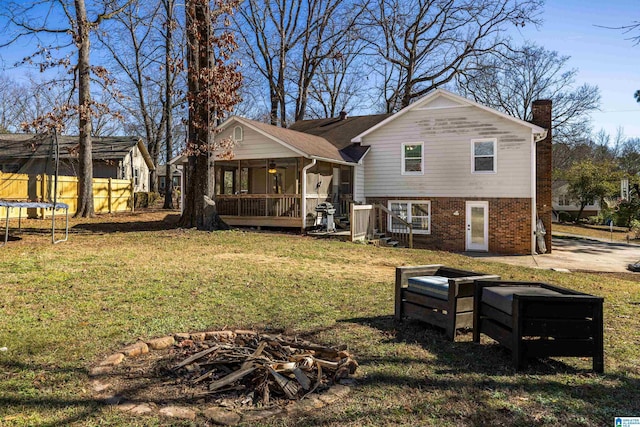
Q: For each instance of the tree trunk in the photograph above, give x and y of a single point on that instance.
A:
(168, 192)
(193, 68)
(582, 206)
(153, 175)
(273, 115)
(199, 58)
(85, 174)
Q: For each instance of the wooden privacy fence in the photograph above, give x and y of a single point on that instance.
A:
(362, 222)
(109, 195)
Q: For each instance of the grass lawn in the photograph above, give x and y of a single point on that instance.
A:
(619, 234)
(65, 307)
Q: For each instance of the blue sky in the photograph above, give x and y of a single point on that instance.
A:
(604, 57)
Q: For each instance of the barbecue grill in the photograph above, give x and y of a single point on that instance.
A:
(325, 212)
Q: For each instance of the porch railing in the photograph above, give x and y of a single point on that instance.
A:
(268, 205)
(366, 220)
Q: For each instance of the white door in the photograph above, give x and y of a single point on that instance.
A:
(478, 226)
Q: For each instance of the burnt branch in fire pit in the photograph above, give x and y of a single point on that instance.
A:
(260, 368)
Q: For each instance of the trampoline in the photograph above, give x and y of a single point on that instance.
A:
(36, 205)
(53, 205)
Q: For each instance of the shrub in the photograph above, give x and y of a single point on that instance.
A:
(145, 199)
(635, 228)
(564, 216)
(627, 211)
(595, 220)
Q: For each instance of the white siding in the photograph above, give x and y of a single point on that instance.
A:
(140, 165)
(254, 145)
(358, 184)
(447, 135)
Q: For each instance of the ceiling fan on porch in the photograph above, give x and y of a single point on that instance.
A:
(272, 168)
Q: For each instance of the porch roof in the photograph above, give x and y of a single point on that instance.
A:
(339, 131)
(306, 145)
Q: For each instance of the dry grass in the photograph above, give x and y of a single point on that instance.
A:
(66, 306)
(619, 234)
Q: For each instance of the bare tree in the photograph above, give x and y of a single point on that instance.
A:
(25, 19)
(288, 40)
(22, 102)
(171, 67)
(629, 157)
(424, 44)
(512, 81)
(213, 84)
(339, 83)
(131, 47)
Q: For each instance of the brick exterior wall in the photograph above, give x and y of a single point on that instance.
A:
(541, 111)
(509, 224)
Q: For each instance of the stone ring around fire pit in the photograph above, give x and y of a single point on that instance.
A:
(226, 377)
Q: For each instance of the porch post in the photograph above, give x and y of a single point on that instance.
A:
(303, 202)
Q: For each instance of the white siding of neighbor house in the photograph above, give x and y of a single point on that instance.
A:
(140, 165)
(447, 132)
(255, 145)
(358, 184)
(560, 198)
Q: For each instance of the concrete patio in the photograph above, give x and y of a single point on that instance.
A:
(576, 254)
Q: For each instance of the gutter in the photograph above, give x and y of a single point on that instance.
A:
(304, 193)
(534, 188)
(536, 137)
(326, 159)
(540, 136)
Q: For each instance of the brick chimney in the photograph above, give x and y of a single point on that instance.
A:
(541, 110)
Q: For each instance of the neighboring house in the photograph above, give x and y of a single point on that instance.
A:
(562, 202)
(113, 157)
(161, 172)
(466, 176)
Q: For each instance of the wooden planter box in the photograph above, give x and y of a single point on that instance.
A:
(536, 320)
(446, 303)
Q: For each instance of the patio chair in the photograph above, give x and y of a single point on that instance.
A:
(438, 295)
(535, 319)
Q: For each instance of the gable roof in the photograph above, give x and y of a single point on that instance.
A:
(453, 100)
(304, 144)
(339, 132)
(38, 146)
(323, 139)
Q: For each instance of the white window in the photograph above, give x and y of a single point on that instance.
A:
(483, 153)
(238, 133)
(415, 212)
(564, 200)
(413, 158)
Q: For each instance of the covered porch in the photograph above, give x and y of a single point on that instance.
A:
(280, 192)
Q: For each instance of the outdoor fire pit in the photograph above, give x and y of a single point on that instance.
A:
(224, 376)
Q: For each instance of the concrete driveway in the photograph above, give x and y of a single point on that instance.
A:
(574, 254)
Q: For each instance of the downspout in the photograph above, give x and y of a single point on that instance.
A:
(534, 181)
(304, 193)
(534, 188)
